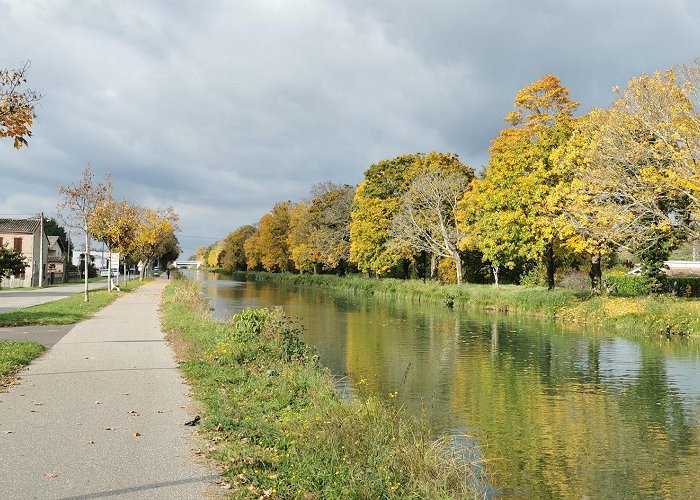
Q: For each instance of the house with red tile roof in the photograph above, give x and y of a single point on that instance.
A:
(24, 236)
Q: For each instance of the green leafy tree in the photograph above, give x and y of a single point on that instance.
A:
(11, 261)
(375, 204)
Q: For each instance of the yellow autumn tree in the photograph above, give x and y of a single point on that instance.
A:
(215, 255)
(586, 226)
(16, 106)
(78, 204)
(427, 219)
(155, 235)
(116, 225)
(233, 251)
(302, 249)
(268, 246)
(319, 235)
(510, 209)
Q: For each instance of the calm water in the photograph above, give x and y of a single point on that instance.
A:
(555, 412)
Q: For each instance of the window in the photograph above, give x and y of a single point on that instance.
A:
(18, 244)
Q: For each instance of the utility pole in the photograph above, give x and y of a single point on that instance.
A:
(41, 250)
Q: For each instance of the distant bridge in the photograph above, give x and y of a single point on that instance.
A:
(187, 264)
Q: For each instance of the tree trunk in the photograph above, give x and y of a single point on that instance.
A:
(596, 273)
(494, 269)
(406, 267)
(433, 267)
(549, 256)
(458, 266)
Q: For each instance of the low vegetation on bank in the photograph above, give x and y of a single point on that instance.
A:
(654, 315)
(279, 429)
(13, 356)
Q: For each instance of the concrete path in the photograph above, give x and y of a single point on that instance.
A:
(101, 414)
(17, 298)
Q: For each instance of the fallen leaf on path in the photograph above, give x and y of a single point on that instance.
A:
(8, 432)
(110, 428)
(137, 434)
(98, 402)
(50, 475)
(161, 411)
(133, 413)
(91, 442)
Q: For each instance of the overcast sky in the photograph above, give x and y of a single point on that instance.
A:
(222, 108)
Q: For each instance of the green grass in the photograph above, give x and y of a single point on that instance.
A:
(64, 311)
(278, 428)
(506, 298)
(15, 355)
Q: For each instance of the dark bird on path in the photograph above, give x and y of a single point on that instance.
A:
(194, 421)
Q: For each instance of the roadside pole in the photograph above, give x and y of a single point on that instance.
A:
(41, 250)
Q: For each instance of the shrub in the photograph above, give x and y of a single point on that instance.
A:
(537, 276)
(628, 285)
(447, 271)
(684, 286)
(575, 280)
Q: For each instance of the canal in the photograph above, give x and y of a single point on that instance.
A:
(555, 412)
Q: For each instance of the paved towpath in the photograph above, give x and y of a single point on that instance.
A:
(17, 298)
(101, 414)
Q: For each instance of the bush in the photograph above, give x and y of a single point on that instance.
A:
(628, 285)
(684, 286)
(575, 280)
(537, 276)
(447, 271)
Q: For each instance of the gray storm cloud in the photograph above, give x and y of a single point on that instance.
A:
(221, 109)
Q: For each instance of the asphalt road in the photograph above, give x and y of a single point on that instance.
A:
(18, 298)
(47, 335)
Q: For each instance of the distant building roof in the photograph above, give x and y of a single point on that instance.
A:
(28, 226)
(55, 243)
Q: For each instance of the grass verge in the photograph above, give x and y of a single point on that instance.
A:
(13, 356)
(506, 298)
(63, 311)
(279, 429)
(648, 315)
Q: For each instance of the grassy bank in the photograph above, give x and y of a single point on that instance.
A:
(651, 315)
(513, 298)
(64, 311)
(278, 428)
(15, 355)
